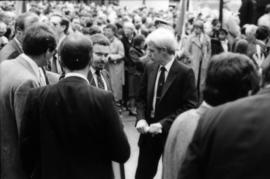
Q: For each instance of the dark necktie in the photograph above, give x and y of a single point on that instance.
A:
(100, 83)
(161, 82)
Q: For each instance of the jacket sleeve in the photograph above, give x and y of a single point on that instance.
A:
(20, 95)
(29, 140)
(141, 99)
(196, 155)
(120, 52)
(118, 145)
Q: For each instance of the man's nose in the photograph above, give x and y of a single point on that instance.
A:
(103, 58)
(148, 53)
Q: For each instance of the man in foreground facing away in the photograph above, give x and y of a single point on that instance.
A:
(229, 76)
(71, 129)
(232, 140)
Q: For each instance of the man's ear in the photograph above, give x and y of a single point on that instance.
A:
(91, 58)
(19, 32)
(63, 27)
(60, 61)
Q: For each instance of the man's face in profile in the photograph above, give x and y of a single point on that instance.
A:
(100, 54)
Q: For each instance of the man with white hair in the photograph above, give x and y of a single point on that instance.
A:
(231, 20)
(167, 89)
(265, 19)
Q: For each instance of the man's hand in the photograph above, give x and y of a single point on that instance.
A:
(155, 128)
(142, 126)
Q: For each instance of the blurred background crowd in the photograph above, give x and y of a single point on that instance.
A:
(243, 28)
(203, 28)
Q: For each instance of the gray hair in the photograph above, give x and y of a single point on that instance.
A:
(163, 38)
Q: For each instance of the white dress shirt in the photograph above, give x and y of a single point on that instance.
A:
(167, 67)
(71, 74)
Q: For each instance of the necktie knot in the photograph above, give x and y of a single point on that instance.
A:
(162, 69)
(98, 72)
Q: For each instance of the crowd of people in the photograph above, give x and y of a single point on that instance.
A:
(69, 70)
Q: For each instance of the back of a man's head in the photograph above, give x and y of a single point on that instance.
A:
(76, 51)
(229, 76)
(241, 46)
(25, 20)
(263, 33)
(38, 39)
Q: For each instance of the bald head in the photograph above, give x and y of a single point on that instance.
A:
(76, 51)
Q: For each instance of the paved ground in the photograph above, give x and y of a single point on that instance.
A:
(133, 135)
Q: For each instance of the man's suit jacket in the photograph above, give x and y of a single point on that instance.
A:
(10, 51)
(178, 95)
(72, 130)
(232, 141)
(16, 79)
(118, 169)
(106, 77)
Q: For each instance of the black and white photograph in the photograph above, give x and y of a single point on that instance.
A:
(134, 89)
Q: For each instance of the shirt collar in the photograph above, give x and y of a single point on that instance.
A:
(267, 86)
(72, 74)
(203, 107)
(169, 65)
(93, 71)
(31, 62)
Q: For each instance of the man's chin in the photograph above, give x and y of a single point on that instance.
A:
(99, 67)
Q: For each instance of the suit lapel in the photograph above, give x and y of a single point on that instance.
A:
(264, 91)
(171, 76)
(107, 80)
(151, 81)
(91, 79)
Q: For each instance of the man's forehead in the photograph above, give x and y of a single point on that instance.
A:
(101, 48)
(55, 19)
(151, 45)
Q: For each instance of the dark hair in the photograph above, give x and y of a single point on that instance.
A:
(144, 20)
(91, 30)
(266, 71)
(215, 22)
(241, 46)
(221, 30)
(76, 51)
(100, 39)
(89, 22)
(243, 30)
(229, 76)
(21, 20)
(65, 22)
(137, 41)
(111, 26)
(267, 8)
(38, 39)
(262, 33)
